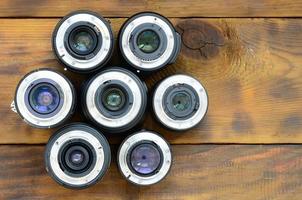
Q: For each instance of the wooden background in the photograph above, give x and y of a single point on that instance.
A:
(247, 53)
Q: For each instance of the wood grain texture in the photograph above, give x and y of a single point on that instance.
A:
(250, 67)
(208, 172)
(170, 8)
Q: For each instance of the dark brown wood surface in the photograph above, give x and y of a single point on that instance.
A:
(204, 172)
(248, 55)
(170, 8)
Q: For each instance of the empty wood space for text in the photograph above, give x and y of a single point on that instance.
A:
(169, 8)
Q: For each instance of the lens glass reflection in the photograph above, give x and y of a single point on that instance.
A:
(181, 101)
(77, 157)
(113, 99)
(145, 158)
(44, 98)
(148, 41)
(83, 41)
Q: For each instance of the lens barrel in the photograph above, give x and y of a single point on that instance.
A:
(83, 41)
(45, 98)
(180, 102)
(144, 158)
(77, 156)
(115, 100)
(148, 41)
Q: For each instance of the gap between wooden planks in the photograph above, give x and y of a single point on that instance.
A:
(205, 172)
(170, 8)
(250, 67)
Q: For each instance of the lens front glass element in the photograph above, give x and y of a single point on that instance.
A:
(82, 40)
(181, 101)
(145, 158)
(77, 157)
(113, 99)
(44, 98)
(148, 41)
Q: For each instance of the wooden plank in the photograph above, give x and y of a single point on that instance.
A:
(251, 172)
(170, 8)
(250, 67)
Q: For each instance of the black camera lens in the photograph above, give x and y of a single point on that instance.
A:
(45, 98)
(83, 41)
(77, 156)
(144, 158)
(180, 102)
(148, 41)
(115, 99)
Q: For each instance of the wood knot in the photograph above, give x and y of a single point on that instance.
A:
(200, 39)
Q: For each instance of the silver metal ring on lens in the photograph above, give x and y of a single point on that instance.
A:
(66, 135)
(169, 41)
(66, 94)
(125, 150)
(94, 60)
(129, 118)
(159, 106)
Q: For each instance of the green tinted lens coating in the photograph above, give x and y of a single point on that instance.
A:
(148, 41)
(83, 41)
(114, 99)
(181, 101)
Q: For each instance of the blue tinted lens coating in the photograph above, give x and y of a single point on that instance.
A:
(44, 98)
(145, 158)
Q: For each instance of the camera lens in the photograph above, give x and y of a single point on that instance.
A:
(144, 158)
(115, 99)
(148, 41)
(45, 98)
(83, 41)
(180, 102)
(77, 156)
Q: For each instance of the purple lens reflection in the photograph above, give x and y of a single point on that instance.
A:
(44, 98)
(77, 157)
(145, 158)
